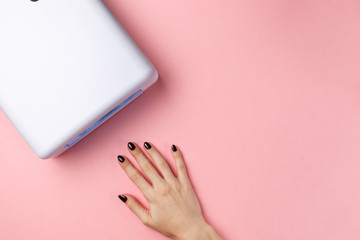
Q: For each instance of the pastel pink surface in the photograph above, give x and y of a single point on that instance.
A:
(262, 97)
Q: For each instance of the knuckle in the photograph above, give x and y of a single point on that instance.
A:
(147, 167)
(181, 167)
(163, 165)
(164, 189)
(187, 189)
(149, 195)
(176, 186)
(135, 176)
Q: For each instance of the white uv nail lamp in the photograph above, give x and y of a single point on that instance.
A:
(66, 66)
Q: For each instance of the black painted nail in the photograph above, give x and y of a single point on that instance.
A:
(121, 158)
(173, 147)
(131, 146)
(123, 198)
(147, 145)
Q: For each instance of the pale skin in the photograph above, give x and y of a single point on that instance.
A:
(174, 207)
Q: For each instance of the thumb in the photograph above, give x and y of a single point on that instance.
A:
(136, 207)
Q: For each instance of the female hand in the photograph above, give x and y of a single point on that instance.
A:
(174, 208)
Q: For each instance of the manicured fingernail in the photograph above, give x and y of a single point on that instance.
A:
(147, 145)
(123, 198)
(173, 147)
(121, 158)
(131, 146)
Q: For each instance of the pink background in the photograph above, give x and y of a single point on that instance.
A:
(263, 98)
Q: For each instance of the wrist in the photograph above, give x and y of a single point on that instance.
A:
(200, 231)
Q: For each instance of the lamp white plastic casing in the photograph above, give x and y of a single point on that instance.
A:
(66, 66)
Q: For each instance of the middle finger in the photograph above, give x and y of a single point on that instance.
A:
(144, 163)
